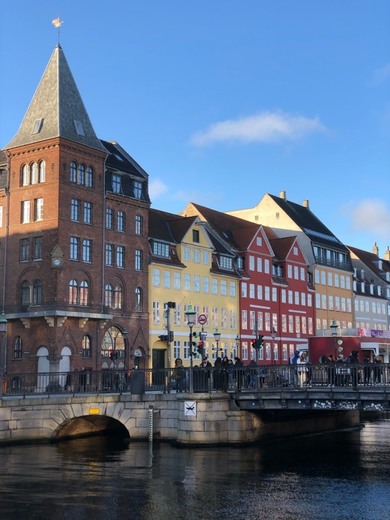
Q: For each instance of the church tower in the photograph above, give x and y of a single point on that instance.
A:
(73, 240)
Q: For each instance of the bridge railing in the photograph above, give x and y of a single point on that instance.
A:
(233, 379)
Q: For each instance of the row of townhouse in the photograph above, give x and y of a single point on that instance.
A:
(93, 278)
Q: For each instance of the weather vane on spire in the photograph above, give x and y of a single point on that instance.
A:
(57, 24)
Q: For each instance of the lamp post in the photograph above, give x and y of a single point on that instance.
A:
(217, 337)
(238, 346)
(273, 336)
(3, 349)
(191, 320)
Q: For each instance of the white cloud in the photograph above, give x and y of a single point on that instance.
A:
(265, 127)
(156, 189)
(371, 215)
(382, 74)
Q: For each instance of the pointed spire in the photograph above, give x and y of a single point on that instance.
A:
(387, 254)
(375, 249)
(56, 110)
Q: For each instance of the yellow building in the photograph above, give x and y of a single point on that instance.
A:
(190, 267)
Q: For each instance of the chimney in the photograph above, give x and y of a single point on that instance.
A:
(306, 204)
(283, 195)
(375, 249)
(387, 254)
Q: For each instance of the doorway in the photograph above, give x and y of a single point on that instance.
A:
(158, 365)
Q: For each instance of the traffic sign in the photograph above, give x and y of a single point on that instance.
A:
(202, 319)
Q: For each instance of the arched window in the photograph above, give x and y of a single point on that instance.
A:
(73, 290)
(89, 177)
(138, 299)
(42, 171)
(86, 346)
(108, 293)
(81, 175)
(37, 292)
(118, 297)
(25, 293)
(73, 172)
(18, 352)
(84, 293)
(113, 344)
(25, 175)
(34, 173)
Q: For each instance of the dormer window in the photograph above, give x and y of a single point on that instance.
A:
(37, 127)
(240, 262)
(137, 189)
(225, 262)
(161, 249)
(79, 128)
(116, 183)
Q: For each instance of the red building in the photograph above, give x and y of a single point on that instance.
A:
(73, 239)
(276, 295)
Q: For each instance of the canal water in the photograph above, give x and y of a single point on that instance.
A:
(344, 475)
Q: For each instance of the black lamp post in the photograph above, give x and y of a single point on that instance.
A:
(273, 336)
(3, 347)
(217, 337)
(191, 320)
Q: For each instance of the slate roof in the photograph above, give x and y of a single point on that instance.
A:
(315, 230)
(119, 159)
(372, 261)
(56, 109)
(238, 232)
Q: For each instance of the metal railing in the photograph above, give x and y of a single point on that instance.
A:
(237, 379)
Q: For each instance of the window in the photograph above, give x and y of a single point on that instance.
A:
(120, 222)
(18, 352)
(24, 250)
(138, 224)
(137, 187)
(109, 218)
(25, 293)
(42, 171)
(81, 174)
(34, 173)
(25, 211)
(108, 294)
(74, 248)
(72, 292)
(138, 260)
(120, 256)
(138, 299)
(86, 346)
(87, 212)
(37, 292)
(84, 289)
(226, 262)
(116, 183)
(87, 250)
(89, 177)
(74, 210)
(118, 297)
(160, 249)
(109, 254)
(37, 248)
(38, 209)
(195, 235)
(73, 172)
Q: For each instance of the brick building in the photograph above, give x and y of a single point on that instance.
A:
(73, 240)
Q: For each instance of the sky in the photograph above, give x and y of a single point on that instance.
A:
(222, 101)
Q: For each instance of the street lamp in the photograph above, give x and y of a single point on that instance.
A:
(3, 348)
(238, 346)
(333, 327)
(273, 336)
(217, 337)
(191, 320)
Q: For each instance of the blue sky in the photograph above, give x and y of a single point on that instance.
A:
(221, 101)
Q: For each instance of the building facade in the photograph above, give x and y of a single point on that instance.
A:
(74, 214)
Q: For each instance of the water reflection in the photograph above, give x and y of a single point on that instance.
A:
(342, 475)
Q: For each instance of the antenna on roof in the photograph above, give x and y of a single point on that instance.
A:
(57, 24)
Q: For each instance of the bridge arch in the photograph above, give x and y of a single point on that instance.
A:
(88, 426)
